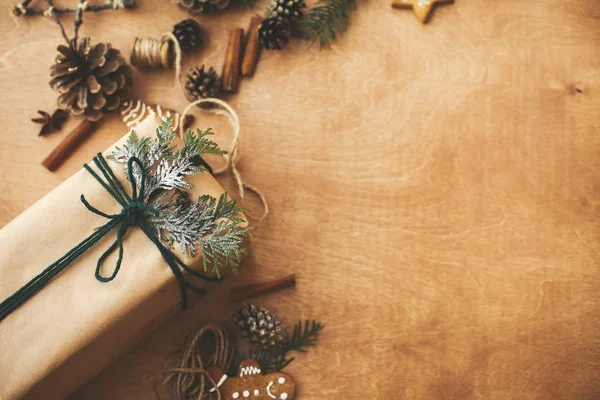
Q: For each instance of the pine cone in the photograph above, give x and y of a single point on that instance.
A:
(196, 7)
(274, 33)
(288, 10)
(188, 34)
(201, 84)
(261, 327)
(91, 80)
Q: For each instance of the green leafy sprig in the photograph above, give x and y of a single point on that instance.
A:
(208, 224)
(327, 21)
(304, 336)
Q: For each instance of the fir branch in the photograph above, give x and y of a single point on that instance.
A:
(307, 337)
(303, 336)
(280, 362)
(327, 21)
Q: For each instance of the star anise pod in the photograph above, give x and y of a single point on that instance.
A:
(51, 122)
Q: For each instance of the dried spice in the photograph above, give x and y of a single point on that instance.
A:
(49, 122)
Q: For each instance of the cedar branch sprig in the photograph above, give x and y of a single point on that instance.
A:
(327, 21)
(208, 224)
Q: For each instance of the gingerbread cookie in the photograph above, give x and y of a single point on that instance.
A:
(251, 384)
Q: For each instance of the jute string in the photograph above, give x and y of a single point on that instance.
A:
(231, 158)
(190, 379)
(147, 52)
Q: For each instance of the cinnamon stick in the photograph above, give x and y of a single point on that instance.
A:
(69, 144)
(243, 292)
(252, 49)
(230, 78)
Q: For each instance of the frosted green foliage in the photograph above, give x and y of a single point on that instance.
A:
(207, 224)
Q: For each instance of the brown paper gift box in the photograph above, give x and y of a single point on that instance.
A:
(75, 326)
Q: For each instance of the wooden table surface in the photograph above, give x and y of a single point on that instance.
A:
(433, 187)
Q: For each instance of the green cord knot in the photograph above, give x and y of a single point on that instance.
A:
(135, 212)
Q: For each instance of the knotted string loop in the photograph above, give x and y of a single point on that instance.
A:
(135, 212)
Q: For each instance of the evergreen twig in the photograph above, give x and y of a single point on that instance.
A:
(327, 21)
(303, 336)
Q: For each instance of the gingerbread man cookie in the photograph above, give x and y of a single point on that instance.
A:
(251, 384)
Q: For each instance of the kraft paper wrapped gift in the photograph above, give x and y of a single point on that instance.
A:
(76, 326)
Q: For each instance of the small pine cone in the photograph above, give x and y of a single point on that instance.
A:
(196, 7)
(288, 10)
(261, 327)
(274, 33)
(201, 84)
(91, 80)
(188, 34)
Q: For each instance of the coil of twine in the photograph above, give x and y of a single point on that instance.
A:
(219, 107)
(157, 53)
(190, 380)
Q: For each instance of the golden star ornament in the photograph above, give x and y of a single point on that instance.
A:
(421, 8)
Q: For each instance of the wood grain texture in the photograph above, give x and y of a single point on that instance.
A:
(434, 188)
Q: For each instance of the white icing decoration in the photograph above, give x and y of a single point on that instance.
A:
(256, 392)
(281, 380)
(223, 378)
(251, 370)
(236, 395)
(283, 396)
(246, 393)
(269, 390)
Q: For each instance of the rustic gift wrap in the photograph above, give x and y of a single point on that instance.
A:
(76, 325)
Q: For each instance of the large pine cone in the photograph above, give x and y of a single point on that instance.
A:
(288, 10)
(91, 80)
(196, 7)
(201, 84)
(274, 33)
(261, 327)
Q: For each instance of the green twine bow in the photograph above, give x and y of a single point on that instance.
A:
(135, 212)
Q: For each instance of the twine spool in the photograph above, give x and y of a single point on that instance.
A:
(190, 379)
(152, 52)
